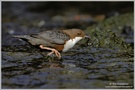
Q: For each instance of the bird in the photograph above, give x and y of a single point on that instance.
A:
(55, 40)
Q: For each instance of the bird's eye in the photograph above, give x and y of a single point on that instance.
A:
(79, 33)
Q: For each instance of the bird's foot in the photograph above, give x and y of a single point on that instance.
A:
(53, 51)
(56, 53)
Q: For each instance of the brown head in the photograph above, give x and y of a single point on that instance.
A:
(75, 33)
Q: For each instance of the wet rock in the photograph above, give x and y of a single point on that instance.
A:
(107, 59)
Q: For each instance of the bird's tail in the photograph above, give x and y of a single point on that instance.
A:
(22, 36)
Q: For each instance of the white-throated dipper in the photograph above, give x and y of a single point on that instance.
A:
(55, 40)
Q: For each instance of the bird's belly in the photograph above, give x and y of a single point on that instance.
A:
(67, 46)
(70, 43)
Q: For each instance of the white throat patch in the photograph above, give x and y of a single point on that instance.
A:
(70, 43)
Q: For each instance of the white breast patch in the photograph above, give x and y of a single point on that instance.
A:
(70, 43)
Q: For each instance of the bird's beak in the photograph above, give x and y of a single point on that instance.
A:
(88, 39)
(86, 36)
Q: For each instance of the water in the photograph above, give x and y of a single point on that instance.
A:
(107, 62)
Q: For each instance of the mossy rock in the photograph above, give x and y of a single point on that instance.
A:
(108, 33)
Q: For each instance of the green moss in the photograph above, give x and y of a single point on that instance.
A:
(108, 32)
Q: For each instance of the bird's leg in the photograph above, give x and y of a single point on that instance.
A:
(56, 53)
(53, 51)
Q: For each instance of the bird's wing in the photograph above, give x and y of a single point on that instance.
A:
(56, 37)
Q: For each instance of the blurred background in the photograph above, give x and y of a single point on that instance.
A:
(32, 17)
(106, 61)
